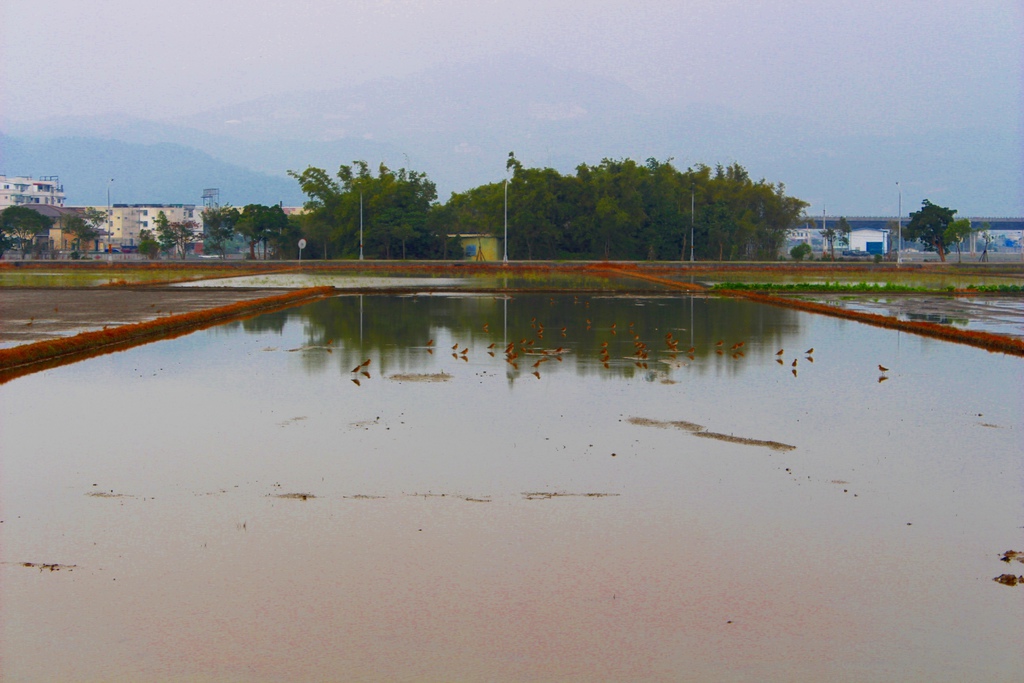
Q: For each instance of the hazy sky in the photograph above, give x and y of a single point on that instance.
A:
(866, 65)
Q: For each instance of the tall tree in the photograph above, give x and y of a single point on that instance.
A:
(956, 232)
(929, 226)
(219, 226)
(23, 224)
(258, 224)
(149, 246)
(81, 230)
(843, 232)
(164, 233)
(183, 233)
(829, 235)
(392, 208)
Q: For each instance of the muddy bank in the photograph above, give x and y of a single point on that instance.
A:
(30, 315)
(47, 353)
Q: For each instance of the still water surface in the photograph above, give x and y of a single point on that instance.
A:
(495, 524)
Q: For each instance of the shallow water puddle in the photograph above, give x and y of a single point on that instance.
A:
(233, 511)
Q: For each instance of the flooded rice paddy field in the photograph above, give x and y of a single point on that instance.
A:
(487, 280)
(97, 276)
(358, 489)
(995, 314)
(935, 277)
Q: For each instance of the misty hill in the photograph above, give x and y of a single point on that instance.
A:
(458, 123)
(157, 173)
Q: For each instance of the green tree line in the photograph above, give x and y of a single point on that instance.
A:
(618, 209)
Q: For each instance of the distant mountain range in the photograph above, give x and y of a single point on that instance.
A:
(458, 123)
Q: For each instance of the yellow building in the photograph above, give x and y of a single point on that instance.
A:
(479, 247)
(126, 221)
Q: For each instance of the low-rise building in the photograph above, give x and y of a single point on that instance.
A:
(870, 241)
(478, 246)
(23, 190)
(125, 222)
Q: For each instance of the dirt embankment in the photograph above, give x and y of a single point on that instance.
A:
(30, 315)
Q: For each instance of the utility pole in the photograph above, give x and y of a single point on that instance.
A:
(899, 226)
(110, 226)
(691, 223)
(504, 259)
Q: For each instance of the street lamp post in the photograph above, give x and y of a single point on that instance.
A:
(691, 224)
(504, 259)
(360, 226)
(110, 225)
(899, 226)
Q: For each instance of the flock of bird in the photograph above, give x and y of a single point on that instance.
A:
(529, 349)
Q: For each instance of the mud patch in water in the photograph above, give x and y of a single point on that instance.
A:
(701, 431)
(421, 377)
(548, 495)
(667, 424)
(42, 566)
(311, 347)
(107, 494)
(774, 445)
(294, 496)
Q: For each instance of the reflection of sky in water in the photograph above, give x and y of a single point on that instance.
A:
(478, 281)
(818, 584)
(298, 280)
(995, 314)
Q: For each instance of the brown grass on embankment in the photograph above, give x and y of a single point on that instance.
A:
(29, 358)
(619, 270)
(984, 340)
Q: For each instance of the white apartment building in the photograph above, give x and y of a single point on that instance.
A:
(126, 221)
(19, 190)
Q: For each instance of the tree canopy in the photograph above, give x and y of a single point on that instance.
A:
(618, 209)
(393, 208)
(261, 225)
(929, 227)
(219, 228)
(23, 224)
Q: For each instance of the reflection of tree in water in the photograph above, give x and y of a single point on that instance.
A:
(394, 330)
(270, 322)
